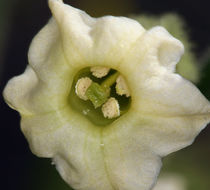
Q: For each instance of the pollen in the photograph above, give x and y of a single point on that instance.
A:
(81, 87)
(111, 108)
(99, 71)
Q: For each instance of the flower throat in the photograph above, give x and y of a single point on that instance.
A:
(100, 94)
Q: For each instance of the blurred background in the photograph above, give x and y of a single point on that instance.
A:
(20, 20)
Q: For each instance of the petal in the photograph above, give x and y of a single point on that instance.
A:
(177, 109)
(164, 135)
(29, 95)
(47, 59)
(156, 50)
(17, 88)
(155, 89)
(113, 38)
(134, 145)
(170, 95)
(74, 26)
(129, 164)
(102, 41)
(46, 83)
(74, 145)
(163, 48)
(174, 110)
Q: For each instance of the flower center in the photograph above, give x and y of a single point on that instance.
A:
(100, 94)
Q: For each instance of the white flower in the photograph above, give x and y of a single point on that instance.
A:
(166, 112)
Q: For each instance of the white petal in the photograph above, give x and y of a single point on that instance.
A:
(101, 41)
(129, 165)
(47, 59)
(164, 135)
(113, 37)
(73, 143)
(170, 95)
(156, 51)
(30, 95)
(167, 49)
(134, 145)
(173, 110)
(15, 93)
(46, 83)
(74, 26)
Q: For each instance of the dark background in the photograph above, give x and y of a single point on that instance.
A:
(20, 20)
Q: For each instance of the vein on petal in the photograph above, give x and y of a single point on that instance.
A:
(105, 162)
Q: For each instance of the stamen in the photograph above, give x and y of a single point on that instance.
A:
(81, 87)
(99, 71)
(121, 87)
(99, 92)
(111, 108)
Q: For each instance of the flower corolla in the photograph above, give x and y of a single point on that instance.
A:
(153, 113)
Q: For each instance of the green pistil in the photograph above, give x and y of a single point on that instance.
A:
(98, 94)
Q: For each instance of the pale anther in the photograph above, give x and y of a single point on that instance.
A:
(111, 108)
(121, 87)
(81, 87)
(99, 71)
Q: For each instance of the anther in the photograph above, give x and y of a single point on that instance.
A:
(99, 71)
(111, 108)
(121, 87)
(81, 87)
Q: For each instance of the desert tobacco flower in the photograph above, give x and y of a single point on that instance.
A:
(101, 98)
